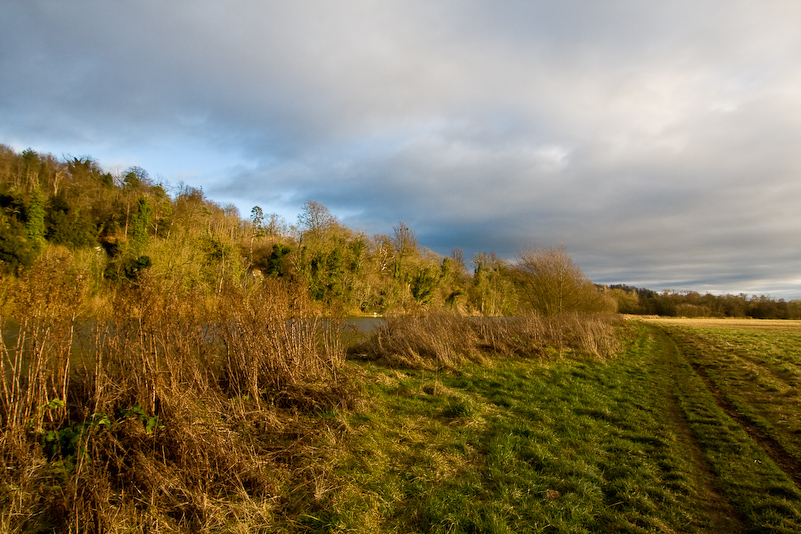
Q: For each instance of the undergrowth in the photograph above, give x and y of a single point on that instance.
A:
(161, 407)
(174, 410)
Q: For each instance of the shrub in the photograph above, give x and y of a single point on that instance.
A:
(275, 343)
(551, 284)
(537, 336)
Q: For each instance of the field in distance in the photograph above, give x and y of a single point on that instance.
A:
(783, 325)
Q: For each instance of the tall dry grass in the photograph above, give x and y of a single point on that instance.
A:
(37, 339)
(276, 344)
(439, 339)
(37, 329)
(538, 336)
(426, 340)
(167, 412)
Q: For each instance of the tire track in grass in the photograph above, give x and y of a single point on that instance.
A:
(766, 497)
(744, 373)
(726, 518)
(772, 448)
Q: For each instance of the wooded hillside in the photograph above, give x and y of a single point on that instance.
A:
(119, 225)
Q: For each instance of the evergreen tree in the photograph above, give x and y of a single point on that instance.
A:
(65, 225)
(15, 248)
(140, 223)
(35, 224)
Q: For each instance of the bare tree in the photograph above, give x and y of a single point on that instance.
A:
(405, 243)
(315, 218)
(404, 240)
(551, 283)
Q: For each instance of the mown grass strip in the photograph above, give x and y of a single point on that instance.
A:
(567, 446)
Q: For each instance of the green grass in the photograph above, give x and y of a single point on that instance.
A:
(756, 367)
(762, 495)
(636, 444)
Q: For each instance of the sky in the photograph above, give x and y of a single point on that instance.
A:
(658, 142)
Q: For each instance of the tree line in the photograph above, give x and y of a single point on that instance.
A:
(124, 224)
(121, 225)
(640, 301)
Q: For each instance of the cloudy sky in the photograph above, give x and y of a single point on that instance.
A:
(660, 142)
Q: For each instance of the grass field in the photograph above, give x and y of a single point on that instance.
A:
(689, 426)
(753, 368)
(685, 431)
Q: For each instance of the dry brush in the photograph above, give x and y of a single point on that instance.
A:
(168, 411)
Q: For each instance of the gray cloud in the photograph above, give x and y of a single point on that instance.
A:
(658, 142)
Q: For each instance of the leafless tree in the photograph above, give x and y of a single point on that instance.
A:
(551, 283)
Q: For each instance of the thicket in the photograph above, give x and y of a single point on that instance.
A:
(440, 339)
(169, 409)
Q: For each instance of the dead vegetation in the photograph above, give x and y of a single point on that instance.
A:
(433, 339)
(172, 411)
(440, 339)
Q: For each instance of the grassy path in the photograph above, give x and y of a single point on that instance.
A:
(786, 461)
(636, 444)
(755, 375)
(751, 468)
(723, 515)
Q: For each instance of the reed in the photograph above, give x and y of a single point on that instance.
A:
(168, 411)
(537, 336)
(37, 340)
(276, 344)
(427, 340)
(440, 339)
